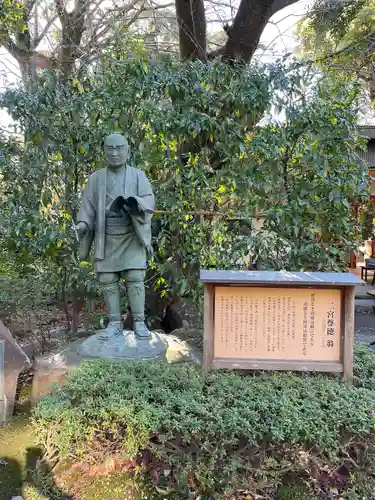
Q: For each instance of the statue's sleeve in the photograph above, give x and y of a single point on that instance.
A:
(146, 203)
(87, 212)
(145, 198)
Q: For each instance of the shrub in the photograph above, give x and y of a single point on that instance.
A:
(364, 368)
(217, 432)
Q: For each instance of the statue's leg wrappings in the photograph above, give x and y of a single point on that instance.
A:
(135, 287)
(110, 286)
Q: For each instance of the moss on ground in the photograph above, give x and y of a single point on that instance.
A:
(15, 438)
(19, 453)
(115, 487)
(294, 492)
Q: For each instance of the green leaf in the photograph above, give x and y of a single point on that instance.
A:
(47, 197)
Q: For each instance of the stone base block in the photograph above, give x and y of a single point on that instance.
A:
(126, 346)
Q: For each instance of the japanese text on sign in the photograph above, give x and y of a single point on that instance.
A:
(277, 323)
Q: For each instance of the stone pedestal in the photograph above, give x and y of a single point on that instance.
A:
(126, 346)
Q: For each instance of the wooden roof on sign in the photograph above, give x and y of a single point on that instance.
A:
(280, 278)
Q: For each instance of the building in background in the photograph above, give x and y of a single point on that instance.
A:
(368, 132)
(367, 249)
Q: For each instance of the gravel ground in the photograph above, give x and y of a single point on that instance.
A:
(364, 325)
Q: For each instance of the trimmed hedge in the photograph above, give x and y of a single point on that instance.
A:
(219, 432)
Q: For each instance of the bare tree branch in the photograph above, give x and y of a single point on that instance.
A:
(29, 5)
(36, 41)
(247, 28)
(93, 24)
(108, 23)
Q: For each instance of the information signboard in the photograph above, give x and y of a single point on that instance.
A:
(279, 321)
(2, 385)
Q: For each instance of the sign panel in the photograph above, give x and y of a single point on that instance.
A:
(2, 384)
(277, 323)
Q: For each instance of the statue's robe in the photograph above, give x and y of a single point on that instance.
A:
(120, 242)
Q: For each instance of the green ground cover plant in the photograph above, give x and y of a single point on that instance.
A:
(218, 433)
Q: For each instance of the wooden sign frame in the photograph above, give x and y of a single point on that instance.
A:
(344, 282)
(2, 379)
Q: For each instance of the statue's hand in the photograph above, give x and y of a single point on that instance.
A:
(81, 228)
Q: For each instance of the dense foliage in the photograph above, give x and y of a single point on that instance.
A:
(11, 19)
(339, 37)
(218, 432)
(194, 128)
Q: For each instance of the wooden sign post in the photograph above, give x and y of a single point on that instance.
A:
(263, 320)
(2, 388)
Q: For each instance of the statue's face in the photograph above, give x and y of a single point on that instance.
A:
(116, 150)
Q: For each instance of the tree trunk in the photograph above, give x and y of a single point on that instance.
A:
(78, 306)
(192, 29)
(64, 300)
(247, 28)
(248, 25)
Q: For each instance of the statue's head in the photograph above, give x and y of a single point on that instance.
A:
(116, 150)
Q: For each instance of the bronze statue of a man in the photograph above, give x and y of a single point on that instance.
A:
(115, 216)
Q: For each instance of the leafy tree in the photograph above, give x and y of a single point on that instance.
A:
(11, 18)
(193, 128)
(340, 37)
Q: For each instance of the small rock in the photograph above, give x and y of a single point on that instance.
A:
(58, 333)
(178, 352)
(3, 462)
